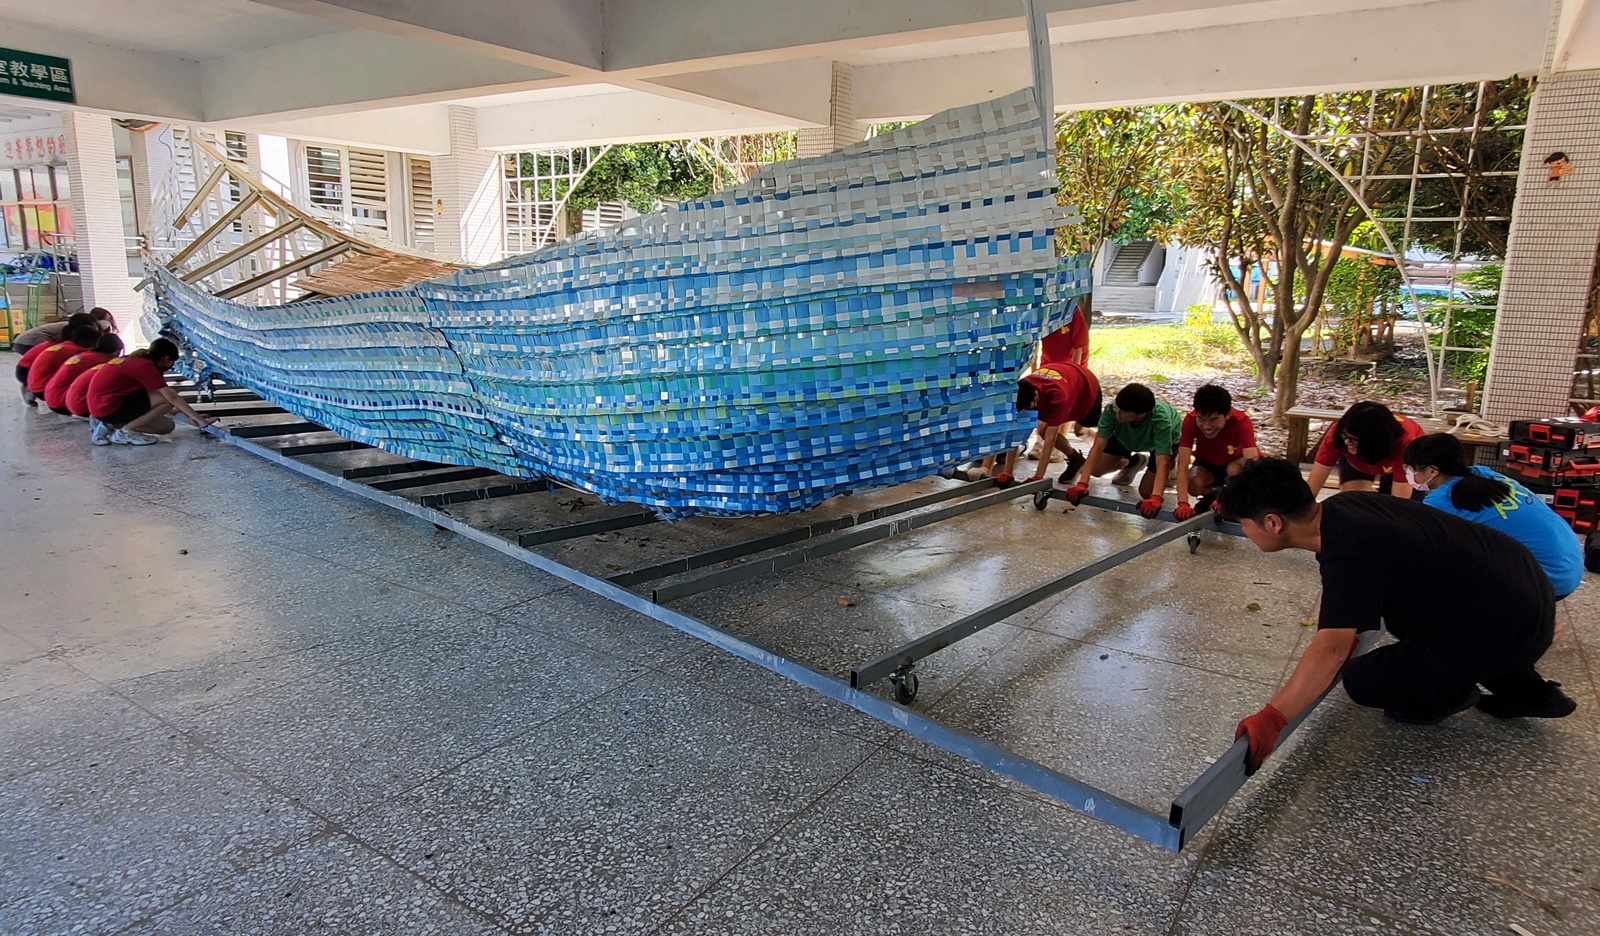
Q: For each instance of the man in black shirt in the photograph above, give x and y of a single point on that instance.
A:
(1468, 605)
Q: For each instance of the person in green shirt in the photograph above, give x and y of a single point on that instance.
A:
(1137, 431)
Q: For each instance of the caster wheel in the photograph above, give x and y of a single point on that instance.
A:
(1194, 543)
(1041, 499)
(905, 688)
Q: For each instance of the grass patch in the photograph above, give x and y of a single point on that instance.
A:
(1154, 351)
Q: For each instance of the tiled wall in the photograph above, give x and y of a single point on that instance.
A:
(97, 213)
(1550, 258)
(472, 226)
(843, 129)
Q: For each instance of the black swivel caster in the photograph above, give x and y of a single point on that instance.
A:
(905, 686)
(1041, 499)
(1194, 542)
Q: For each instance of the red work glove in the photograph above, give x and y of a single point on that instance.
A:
(1263, 729)
(1003, 479)
(1150, 506)
(1077, 493)
(1183, 511)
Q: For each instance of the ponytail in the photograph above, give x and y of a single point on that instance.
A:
(1442, 452)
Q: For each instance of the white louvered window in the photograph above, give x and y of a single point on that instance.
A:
(369, 189)
(325, 177)
(349, 182)
(420, 171)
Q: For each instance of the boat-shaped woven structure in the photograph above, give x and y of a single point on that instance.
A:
(841, 322)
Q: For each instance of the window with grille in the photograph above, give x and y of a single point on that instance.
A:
(369, 188)
(237, 148)
(325, 177)
(420, 171)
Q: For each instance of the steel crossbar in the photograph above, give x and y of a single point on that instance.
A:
(321, 448)
(275, 429)
(586, 528)
(763, 543)
(860, 537)
(426, 478)
(485, 493)
(378, 471)
(906, 655)
(1189, 812)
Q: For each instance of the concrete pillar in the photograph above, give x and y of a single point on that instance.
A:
(97, 215)
(468, 184)
(843, 129)
(151, 155)
(1550, 256)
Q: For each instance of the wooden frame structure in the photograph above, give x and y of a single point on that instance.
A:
(248, 243)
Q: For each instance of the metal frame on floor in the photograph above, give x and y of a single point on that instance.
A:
(1189, 812)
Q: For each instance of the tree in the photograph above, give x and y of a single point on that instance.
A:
(1115, 167)
(1277, 210)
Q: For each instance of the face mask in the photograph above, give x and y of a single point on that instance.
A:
(1411, 479)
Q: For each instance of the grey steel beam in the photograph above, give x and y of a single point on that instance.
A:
(425, 478)
(226, 409)
(484, 493)
(1121, 506)
(905, 655)
(321, 448)
(378, 471)
(274, 429)
(1206, 796)
(773, 541)
(586, 528)
(850, 540)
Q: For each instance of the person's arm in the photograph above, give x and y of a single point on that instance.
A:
(1251, 453)
(1047, 444)
(171, 396)
(1076, 493)
(1080, 355)
(1319, 477)
(1184, 455)
(1319, 666)
(1401, 489)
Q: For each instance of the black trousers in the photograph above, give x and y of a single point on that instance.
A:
(1424, 679)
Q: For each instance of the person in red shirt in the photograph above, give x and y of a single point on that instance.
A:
(1061, 393)
(1070, 343)
(1215, 442)
(55, 392)
(129, 400)
(1367, 445)
(77, 400)
(79, 330)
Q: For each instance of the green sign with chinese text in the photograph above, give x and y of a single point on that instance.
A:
(29, 74)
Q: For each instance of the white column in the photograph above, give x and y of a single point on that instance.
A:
(843, 129)
(1550, 256)
(150, 156)
(97, 215)
(467, 183)
(270, 155)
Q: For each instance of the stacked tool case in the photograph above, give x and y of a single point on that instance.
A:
(1559, 459)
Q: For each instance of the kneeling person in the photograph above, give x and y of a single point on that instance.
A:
(1137, 431)
(129, 400)
(1215, 442)
(1382, 562)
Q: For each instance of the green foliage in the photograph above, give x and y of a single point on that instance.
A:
(1117, 167)
(1471, 321)
(1361, 289)
(645, 174)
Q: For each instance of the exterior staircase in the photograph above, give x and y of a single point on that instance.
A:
(1119, 292)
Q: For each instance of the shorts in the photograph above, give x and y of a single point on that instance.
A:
(132, 407)
(61, 410)
(22, 375)
(1114, 447)
(1092, 418)
(1349, 472)
(1219, 473)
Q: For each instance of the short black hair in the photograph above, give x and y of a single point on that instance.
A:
(1027, 395)
(163, 348)
(84, 336)
(1267, 485)
(1136, 398)
(109, 343)
(81, 319)
(1373, 426)
(1212, 400)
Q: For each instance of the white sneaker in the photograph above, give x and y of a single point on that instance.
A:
(1125, 476)
(133, 437)
(99, 432)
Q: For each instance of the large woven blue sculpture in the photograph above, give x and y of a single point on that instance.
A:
(853, 320)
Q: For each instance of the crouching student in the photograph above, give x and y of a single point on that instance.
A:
(1060, 393)
(47, 359)
(31, 343)
(55, 392)
(77, 399)
(1366, 445)
(1382, 561)
(130, 402)
(1215, 442)
(1137, 431)
(1437, 464)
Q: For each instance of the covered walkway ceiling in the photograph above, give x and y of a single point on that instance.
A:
(563, 72)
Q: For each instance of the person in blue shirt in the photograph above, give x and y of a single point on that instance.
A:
(1437, 462)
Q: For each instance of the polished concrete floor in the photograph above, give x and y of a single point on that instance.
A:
(235, 701)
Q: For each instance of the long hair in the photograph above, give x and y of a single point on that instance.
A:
(1373, 427)
(1442, 452)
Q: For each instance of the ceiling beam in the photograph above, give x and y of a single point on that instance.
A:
(113, 81)
(621, 116)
